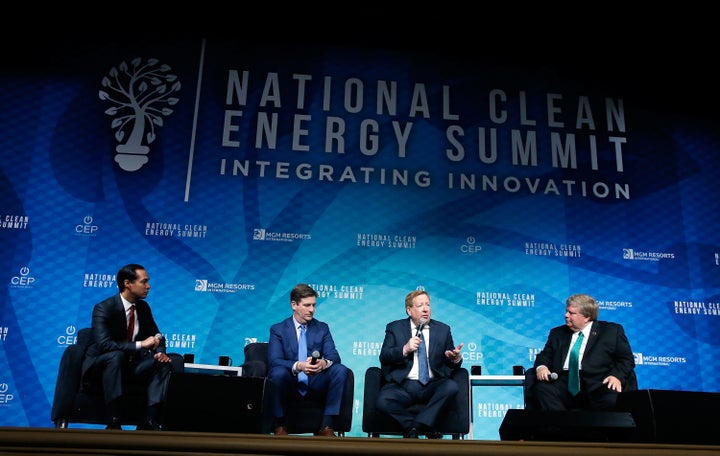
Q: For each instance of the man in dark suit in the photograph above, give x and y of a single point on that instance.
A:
(127, 343)
(606, 361)
(399, 361)
(323, 378)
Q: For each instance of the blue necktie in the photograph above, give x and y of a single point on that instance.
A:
(302, 356)
(574, 367)
(423, 372)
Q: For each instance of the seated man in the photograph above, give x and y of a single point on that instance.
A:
(294, 371)
(591, 375)
(417, 358)
(127, 343)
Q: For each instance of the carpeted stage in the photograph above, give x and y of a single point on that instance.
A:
(50, 441)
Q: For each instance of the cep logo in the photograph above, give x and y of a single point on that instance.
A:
(5, 397)
(23, 280)
(69, 338)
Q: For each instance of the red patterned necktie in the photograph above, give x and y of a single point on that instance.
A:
(131, 324)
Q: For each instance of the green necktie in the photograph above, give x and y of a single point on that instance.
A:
(574, 367)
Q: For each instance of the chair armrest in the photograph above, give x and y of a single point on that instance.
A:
(462, 400)
(373, 383)
(177, 362)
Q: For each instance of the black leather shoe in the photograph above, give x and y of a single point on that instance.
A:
(149, 425)
(433, 434)
(411, 433)
(114, 423)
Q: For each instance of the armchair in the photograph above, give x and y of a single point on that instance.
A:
(456, 421)
(303, 414)
(77, 401)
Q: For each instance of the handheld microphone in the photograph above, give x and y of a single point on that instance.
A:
(315, 357)
(420, 327)
(159, 336)
(553, 376)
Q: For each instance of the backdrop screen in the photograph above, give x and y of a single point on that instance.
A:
(233, 172)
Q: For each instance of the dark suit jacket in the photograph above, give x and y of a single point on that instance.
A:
(607, 352)
(283, 344)
(109, 326)
(395, 366)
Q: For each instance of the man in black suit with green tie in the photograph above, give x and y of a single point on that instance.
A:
(605, 361)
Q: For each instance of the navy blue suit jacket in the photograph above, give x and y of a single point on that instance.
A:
(395, 366)
(607, 352)
(283, 344)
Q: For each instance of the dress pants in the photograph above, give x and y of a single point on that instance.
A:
(395, 400)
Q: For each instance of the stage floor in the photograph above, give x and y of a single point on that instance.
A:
(39, 441)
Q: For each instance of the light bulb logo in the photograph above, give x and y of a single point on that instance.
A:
(141, 95)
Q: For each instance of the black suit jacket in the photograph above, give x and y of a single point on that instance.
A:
(607, 352)
(109, 326)
(395, 366)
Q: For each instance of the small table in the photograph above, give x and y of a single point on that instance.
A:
(214, 369)
(490, 380)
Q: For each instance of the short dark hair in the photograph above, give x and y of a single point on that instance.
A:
(127, 272)
(300, 291)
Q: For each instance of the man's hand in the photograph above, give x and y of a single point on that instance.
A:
(312, 369)
(161, 357)
(454, 354)
(613, 383)
(150, 343)
(411, 345)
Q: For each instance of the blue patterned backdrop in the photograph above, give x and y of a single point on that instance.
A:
(233, 172)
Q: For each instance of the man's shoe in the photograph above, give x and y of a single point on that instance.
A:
(411, 433)
(327, 431)
(281, 430)
(433, 434)
(149, 425)
(114, 423)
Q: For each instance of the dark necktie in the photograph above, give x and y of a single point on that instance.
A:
(302, 356)
(423, 371)
(131, 324)
(574, 367)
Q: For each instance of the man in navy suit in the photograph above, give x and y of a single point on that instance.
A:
(115, 354)
(400, 366)
(607, 364)
(325, 376)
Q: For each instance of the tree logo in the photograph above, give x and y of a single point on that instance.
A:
(141, 95)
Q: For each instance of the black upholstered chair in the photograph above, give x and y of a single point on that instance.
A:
(78, 401)
(304, 415)
(455, 422)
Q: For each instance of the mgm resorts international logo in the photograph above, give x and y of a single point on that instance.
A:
(655, 360)
(632, 254)
(140, 94)
(261, 234)
(203, 285)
